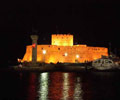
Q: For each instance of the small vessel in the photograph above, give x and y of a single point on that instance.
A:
(104, 64)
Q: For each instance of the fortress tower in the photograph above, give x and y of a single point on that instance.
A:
(62, 40)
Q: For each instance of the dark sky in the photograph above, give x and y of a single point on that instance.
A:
(92, 22)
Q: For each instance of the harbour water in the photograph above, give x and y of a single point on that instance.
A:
(59, 85)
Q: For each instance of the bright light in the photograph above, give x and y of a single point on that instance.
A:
(66, 86)
(78, 90)
(19, 60)
(44, 52)
(66, 54)
(77, 56)
(43, 90)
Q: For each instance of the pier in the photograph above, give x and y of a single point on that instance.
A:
(53, 67)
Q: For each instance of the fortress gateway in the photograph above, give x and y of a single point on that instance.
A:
(62, 50)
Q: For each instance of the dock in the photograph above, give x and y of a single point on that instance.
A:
(54, 67)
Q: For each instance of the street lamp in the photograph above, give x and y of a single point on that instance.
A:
(77, 56)
(44, 52)
(76, 60)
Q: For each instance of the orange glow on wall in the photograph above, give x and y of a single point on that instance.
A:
(56, 52)
(51, 59)
(62, 40)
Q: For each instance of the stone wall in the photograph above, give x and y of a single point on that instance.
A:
(62, 40)
(56, 54)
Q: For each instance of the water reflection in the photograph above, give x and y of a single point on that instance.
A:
(43, 89)
(32, 87)
(78, 90)
(56, 86)
(61, 86)
(65, 86)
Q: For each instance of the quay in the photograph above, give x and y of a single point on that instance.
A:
(54, 67)
(61, 68)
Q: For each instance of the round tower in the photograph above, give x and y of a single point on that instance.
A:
(34, 48)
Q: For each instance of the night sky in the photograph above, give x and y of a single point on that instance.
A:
(92, 22)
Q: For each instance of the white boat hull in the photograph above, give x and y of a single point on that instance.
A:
(103, 64)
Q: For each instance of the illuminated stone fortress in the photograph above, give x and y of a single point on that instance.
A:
(62, 50)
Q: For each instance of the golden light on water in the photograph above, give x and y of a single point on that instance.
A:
(43, 92)
(65, 86)
(78, 90)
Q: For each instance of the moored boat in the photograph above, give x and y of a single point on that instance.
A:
(104, 64)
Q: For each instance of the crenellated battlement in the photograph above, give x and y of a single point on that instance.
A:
(62, 39)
